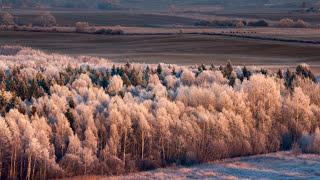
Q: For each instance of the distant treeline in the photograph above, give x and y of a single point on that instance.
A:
(100, 4)
(236, 23)
(149, 4)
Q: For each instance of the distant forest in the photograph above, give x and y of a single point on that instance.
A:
(146, 4)
(100, 4)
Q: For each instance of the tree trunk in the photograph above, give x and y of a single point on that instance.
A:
(142, 145)
(12, 164)
(21, 168)
(85, 167)
(40, 170)
(33, 168)
(45, 170)
(162, 147)
(29, 167)
(124, 147)
(1, 164)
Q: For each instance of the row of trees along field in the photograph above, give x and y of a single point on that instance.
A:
(63, 116)
(46, 22)
(44, 19)
(98, 4)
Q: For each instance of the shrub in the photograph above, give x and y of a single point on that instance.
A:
(109, 31)
(240, 24)
(81, 26)
(289, 23)
(114, 166)
(259, 23)
(301, 24)
(6, 19)
(286, 22)
(310, 143)
(303, 70)
(147, 165)
(45, 19)
(296, 149)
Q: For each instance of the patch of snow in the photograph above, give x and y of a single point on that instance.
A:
(280, 165)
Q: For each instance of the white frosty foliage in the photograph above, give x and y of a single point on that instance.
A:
(116, 85)
(65, 116)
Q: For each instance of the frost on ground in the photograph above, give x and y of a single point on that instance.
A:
(281, 165)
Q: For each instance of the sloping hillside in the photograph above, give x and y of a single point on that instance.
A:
(149, 4)
(281, 165)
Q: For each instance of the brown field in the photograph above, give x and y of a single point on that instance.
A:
(134, 18)
(175, 49)
(110, 18)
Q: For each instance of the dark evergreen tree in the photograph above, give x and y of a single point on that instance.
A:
(264, 71)
(289, 78)
(228, 69)
(246, 72)
(305, 72)
(159, 69)
(280, 74)
(126, 80)
(114, 70)
(146, 76)
(136, 77)
(212, 67)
